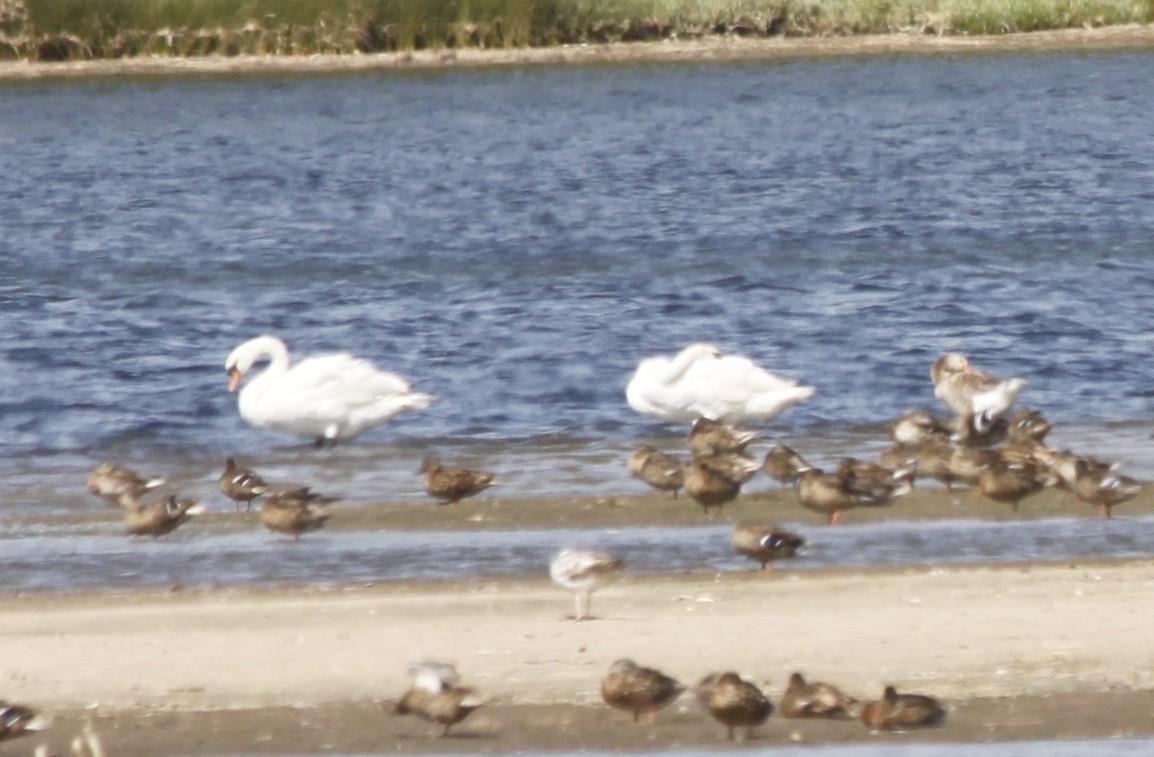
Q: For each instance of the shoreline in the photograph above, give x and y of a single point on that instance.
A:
(761, 500)
(721, 48)
(308, 670)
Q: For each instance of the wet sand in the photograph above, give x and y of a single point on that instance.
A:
(1017, 652)
(704, 49)
(761, 500)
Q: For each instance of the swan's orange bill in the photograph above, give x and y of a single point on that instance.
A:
(234, 377)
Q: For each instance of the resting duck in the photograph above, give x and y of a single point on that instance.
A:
(764, 544)
(784, 465)
(1102, 487)
(1029, 424)
(18, 720)
(582, 572)
(874, 479)
(953, 464)
(451, 485)
(803, 699)
(917, 426)
(436, 697)
(660, 470)
(295, 511)
(700, 382)
(971, 393)
(735, 703)
(902, 457)
(241, 484)
(642, 691)
(1010, 482)
(896, 711)
(119, 485)
(714, 480)
(160, 518)
(831, 494)
(328, 398)
(708, 437)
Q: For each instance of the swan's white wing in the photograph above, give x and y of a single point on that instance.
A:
(358, 380)
(734, 388)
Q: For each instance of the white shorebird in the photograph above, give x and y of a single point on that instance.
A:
(582, 572)
(700, 382)
(327, 398)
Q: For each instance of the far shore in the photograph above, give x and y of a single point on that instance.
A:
(717, 48)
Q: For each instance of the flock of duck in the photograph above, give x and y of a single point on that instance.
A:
(437, 696)
(336, 397)
(1002, 454)
(330, 398)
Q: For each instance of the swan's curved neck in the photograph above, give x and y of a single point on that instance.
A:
(680, 364)
(277, 354)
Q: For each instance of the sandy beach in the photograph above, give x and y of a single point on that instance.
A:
(703, 49)
(1019, 651)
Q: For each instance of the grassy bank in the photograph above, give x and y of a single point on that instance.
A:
(94, 29)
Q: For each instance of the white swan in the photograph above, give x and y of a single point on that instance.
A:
(700, 382)
(326, 398)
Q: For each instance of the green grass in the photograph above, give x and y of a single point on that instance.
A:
(52, 29)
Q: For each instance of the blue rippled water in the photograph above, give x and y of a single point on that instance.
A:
(515, 240)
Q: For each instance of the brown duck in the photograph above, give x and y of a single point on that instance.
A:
(709, 437)
(896, 711)
(831, 494)
(784, 465)
(1029, 424)
(917, 426)
(1010, 482)
(295, 511)
(764, 544)
(451, 485)
(1100, 486)
(18, 720)
(436, 697)
(953, 464)
(119, 485)
(716, 479)
(642, 691)
(659, 469)
(803, 699)
(736, 703)
(874, 480)
(241, 484)
(160, 518)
